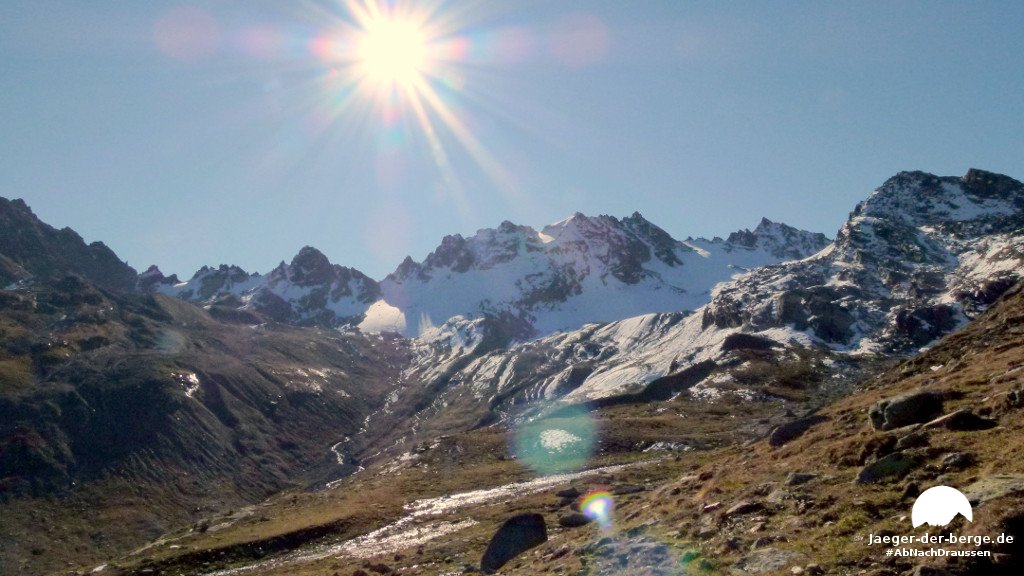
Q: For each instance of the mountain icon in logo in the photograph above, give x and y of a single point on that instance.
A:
(938, 505)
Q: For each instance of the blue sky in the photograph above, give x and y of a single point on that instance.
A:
(185, 134)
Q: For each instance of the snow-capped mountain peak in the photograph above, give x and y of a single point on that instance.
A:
(310, 290)
(922, 199)
(578, 270)
(779, 239)
(916, 259)
(623, 245)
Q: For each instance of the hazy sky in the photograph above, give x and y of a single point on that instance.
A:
(191, 133)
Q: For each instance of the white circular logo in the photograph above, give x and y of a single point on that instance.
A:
(938, 505)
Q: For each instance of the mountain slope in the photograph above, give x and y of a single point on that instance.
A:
(756, 505)
(914, 262)
(31, 249)
(815, 502)
(804, 505)
(123, 415)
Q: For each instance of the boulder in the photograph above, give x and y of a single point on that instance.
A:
(915, 439)
(744, 507)
(956, 461)
(894, 466)
(623, 489)
(992, 487)
(905, 410)
(627, 554)
(793, 429)
(798, 478)
(962, 420)
(574, 520)
(570, 492)
(517, 535)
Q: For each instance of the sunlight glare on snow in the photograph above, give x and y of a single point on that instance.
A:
(382, 317)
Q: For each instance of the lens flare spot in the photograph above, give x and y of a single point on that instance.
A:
(324, 48)
(259, 41)
(556, 440)
(598, 506)
(580, 41)
(558, 443)
(187, 33)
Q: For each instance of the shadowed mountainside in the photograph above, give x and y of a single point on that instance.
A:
(30, 248)
(124, 415)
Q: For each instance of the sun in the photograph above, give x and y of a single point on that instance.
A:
(406, 62)
(392, 52)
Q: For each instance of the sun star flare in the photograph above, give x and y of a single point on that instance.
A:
(393, 52)
(395, 61)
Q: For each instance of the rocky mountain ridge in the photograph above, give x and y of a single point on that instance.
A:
(780, 240)
(308, 291)
(582, 269)
(915, 261)
(31, 249)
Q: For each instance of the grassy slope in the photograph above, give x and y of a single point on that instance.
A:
(828, 519)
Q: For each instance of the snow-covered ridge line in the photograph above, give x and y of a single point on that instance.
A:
(577, 271)
(916, 260)
(309, 290)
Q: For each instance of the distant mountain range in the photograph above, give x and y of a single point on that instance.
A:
(915, 261)
(582, 269)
